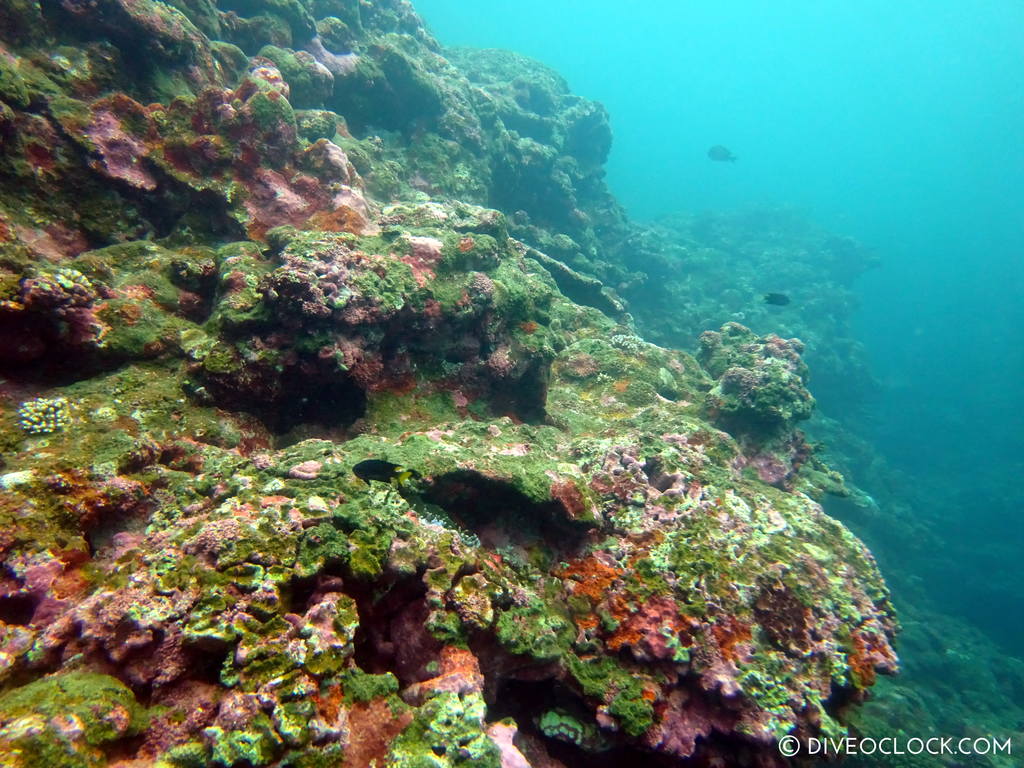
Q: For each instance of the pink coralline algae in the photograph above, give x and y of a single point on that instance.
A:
(274, 201)
(121, 155)
(424, 256)
(504, 735)
(307, 470)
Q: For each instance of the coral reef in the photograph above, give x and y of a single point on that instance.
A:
(293, 236)
(42, 415)
(698, 272)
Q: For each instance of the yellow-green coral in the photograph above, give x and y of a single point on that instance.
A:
(44, 415)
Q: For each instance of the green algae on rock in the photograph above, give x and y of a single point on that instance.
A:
(67, 720)
(252, 309)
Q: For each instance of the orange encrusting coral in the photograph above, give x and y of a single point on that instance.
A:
(729, 633)
(341, 219)
(867, 654)
(590, 578)
(529, 326)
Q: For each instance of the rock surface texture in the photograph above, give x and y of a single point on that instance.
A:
(246, 245)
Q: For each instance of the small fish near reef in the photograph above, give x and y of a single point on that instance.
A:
(721, 154)
(776, 299)
(384, 472)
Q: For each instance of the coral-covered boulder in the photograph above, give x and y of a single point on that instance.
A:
(351, 315)
(760, 388)
(73, 719)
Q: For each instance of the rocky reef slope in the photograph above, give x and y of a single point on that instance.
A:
(247, 246)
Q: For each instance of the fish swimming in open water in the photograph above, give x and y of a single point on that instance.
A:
(721, 154)
(778, 299)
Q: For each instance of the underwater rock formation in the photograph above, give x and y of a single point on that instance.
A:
(243, 266)
(697, 272)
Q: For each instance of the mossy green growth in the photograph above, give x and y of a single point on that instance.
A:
(369, 550)
(202, 13)
(190, 755)
(316, 124)
(207, 624)
(604, 679)
(330, 756)
(65, 720)
(139, 329)
(328, 659)
(534, 630)
(446, 732)
(335, 34)
(256, 745)
(308, 86)
(362, 687)
(271, 110)
(13, 88)
(321, 546)
(560, 724)
(766, 684)
(634, 712)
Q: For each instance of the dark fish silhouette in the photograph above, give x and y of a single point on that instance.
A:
(778, 299)
(721, 154)
(384, 472)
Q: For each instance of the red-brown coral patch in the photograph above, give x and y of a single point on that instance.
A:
(655, 631)
(731, 635)
(784, 619)
(373, 727)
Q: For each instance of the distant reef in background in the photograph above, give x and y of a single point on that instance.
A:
(245, 246)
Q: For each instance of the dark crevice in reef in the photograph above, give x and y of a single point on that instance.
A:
(524, 398)
(182, 209)
(526, 701)
(206, 666)
(391, 636)
(302, 403)
(17, 608)
(500, 515)
(34, 350)
(328, 403)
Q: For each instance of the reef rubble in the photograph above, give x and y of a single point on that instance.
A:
(245, 246)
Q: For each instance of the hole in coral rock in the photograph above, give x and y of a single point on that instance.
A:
(523, 399)
(502, 516)
(36, 350)
(392, 635)
(206, 666)
(527, 701)
(316, 407)
(524, 700)
(299, 406)
(17, 608)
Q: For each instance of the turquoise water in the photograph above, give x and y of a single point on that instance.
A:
(897, 123)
